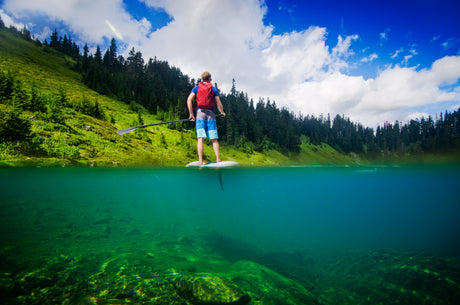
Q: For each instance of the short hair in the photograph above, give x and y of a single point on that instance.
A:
(206, 76)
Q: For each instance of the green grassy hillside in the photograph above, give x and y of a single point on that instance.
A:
(73, 125)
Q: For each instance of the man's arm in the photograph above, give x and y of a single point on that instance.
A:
(190, 106)
(219, 105)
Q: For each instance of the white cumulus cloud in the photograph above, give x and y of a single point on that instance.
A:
(370, 58)
(8, 21)
(87, 18)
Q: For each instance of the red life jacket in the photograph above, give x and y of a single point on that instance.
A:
(205, 96)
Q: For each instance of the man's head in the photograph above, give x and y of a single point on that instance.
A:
(206, 76)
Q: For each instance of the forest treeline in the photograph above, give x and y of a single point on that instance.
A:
(250, 125)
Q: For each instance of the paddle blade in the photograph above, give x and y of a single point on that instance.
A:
(126, 130)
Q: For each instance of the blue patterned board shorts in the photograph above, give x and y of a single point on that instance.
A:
(206, 124)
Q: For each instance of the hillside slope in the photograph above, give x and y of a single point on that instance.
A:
(73, 125)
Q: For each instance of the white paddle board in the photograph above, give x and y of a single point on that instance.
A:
(214, 164)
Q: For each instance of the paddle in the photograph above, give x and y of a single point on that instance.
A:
(129, 129)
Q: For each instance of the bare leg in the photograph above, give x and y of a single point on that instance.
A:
(200, 148)
(215, 146)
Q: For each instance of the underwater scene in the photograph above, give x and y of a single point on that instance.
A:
(291, 235)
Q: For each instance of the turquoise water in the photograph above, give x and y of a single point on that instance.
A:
(277, 217)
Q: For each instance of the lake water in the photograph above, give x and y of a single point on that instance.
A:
(358, 235)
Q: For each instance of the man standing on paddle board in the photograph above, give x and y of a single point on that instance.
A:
(206, 97)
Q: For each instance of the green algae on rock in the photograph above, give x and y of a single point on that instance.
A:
(209, 289)
(67, 280)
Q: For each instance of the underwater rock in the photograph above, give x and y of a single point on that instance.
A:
(208, 289)
(266, 286)
(134, 232)
(8, 287)
(141, 278)
(102, 221)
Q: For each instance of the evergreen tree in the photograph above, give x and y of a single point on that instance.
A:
(98, 56)
(85, 60)
(26, 34)
(110, 57)
(13, 127)
(54, 40)
(64, 48)
(6, 86)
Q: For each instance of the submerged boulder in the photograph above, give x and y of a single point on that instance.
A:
(209, 289)
(137, 278)
(266, 286)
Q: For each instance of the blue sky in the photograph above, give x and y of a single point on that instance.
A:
(391, 29)
(373, 61)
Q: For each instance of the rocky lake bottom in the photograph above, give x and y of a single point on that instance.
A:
(239, 236)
